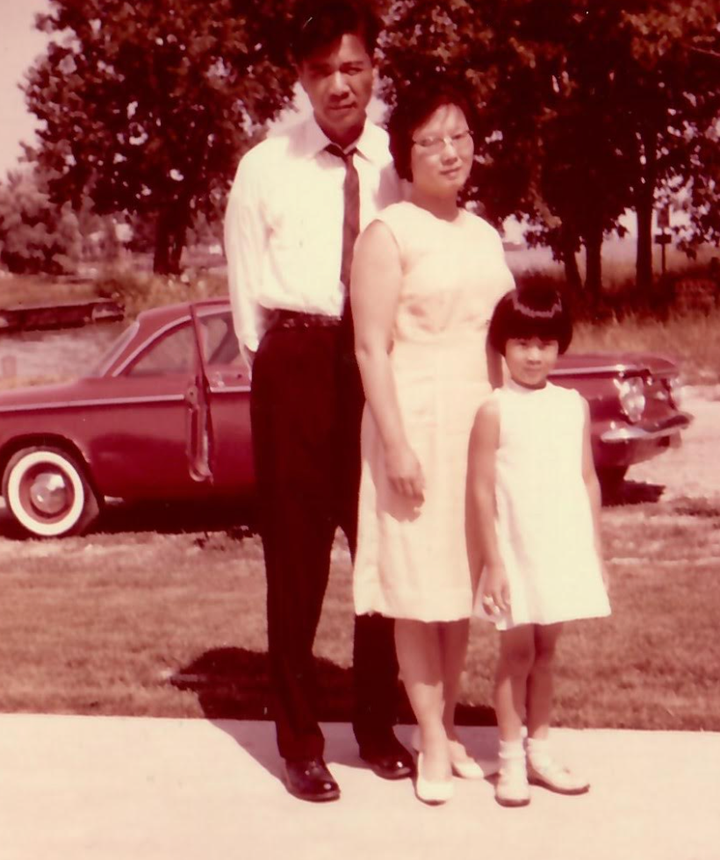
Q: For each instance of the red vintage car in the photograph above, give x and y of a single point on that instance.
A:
(165, 417)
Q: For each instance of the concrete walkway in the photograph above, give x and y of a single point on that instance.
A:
(119, 788)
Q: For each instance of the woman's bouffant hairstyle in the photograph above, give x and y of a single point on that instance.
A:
(531, 311)
(415, 106)
(317, 24)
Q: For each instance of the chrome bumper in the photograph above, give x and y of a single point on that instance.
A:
(648, 433)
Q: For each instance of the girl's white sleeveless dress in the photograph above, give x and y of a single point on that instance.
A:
(544, 520)
(411, 561)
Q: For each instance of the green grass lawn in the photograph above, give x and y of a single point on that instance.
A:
(173, 624)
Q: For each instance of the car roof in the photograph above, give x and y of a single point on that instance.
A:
(166, 313)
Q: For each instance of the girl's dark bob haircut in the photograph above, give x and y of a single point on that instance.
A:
(415, 105)
(531, 311)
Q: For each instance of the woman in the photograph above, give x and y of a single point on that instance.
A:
(426, 276)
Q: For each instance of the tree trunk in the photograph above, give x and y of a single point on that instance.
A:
(644, 204)
(170, 236)
(177, 243)
(593, 260)
(567, 251)
(161, 260)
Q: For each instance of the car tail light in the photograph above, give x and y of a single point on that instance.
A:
(632, 397)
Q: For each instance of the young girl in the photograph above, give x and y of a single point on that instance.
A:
(535, 509)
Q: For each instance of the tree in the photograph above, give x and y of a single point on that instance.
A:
(147, 106)
(36, 235)
(587, 107)
(545, 151)
(674, 81)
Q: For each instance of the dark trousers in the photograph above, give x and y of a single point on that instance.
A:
(306, 404)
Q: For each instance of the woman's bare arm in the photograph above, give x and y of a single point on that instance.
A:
(374, 293)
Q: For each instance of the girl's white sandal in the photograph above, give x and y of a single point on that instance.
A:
(512, 787)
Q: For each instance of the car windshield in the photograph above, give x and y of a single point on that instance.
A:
(117, 347)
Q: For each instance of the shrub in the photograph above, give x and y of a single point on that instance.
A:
(138, 290)
(36, 235)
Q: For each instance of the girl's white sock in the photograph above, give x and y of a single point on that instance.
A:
(538, 751)
(512, 751)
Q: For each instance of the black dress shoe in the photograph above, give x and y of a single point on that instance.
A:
(389, 760)
(310, 779)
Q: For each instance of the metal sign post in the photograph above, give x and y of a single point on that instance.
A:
(663, 238)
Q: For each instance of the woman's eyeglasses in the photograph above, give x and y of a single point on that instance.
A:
(435, 145)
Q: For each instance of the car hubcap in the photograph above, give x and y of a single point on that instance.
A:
(50, 493)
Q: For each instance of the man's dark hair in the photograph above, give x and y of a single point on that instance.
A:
(317, 24)
(416, 105)
(530, 311)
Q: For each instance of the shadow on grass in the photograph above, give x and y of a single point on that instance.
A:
(160, 517)
(174, 517)
(632, 493)
(234, 683)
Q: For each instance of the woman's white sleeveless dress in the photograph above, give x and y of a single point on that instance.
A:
(412, 562)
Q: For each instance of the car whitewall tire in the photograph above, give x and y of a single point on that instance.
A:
(47, 494)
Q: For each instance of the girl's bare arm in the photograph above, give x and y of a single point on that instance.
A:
(481, 502)
(593, 487)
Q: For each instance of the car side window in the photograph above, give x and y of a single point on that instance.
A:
(172, 353)
(220, 347)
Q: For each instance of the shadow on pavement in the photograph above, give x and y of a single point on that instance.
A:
(234, 684)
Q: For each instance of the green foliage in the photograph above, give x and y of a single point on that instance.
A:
(588, 108)
(36, 235)
(138, 291)
(146, 106)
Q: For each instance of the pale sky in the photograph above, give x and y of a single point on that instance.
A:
(20, 44)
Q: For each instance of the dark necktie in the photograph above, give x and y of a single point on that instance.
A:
(351, 212)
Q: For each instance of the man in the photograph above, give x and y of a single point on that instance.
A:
(291, 222)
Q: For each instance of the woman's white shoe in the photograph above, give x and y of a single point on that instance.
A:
(431, 791)
(465, 768)
(555, 777)
(462, 764)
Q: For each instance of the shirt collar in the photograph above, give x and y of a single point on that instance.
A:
(371, 145)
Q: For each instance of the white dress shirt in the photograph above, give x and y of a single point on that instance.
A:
(284, 220)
